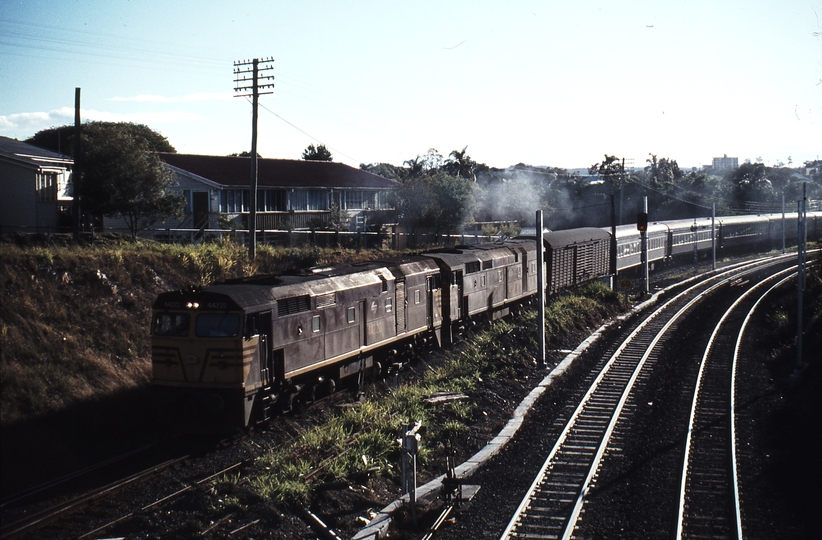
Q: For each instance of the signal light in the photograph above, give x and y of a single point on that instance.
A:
(642, 221)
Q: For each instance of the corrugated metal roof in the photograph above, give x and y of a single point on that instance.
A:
(30, 154)
(231, 171)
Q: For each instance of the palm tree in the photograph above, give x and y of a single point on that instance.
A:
(461, 165)
(414, 167)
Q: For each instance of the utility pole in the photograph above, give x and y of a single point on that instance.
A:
(76, 172)
(243, 84)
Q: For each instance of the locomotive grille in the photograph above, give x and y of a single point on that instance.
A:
(293, 305)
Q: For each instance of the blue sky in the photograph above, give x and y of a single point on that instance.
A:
(543, 83)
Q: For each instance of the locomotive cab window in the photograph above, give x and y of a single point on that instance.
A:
(218, 325)
(352, 315)
(171, 324)
(315, 323)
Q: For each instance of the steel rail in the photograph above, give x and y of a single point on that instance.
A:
(737, 348)
(163, 499)
(71, 476)
(695, 406)
(50, 514)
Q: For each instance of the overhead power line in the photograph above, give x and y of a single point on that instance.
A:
(309, 135)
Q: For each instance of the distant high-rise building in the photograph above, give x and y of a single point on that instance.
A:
(725, 162)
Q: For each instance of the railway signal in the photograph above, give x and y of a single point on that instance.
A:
(642, 221)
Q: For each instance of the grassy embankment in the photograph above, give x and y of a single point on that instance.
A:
(363, 439)
(74, 318)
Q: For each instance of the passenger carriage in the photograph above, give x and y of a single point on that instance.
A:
(629, 245)
(683, 234)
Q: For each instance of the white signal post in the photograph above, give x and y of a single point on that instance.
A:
(541, 289)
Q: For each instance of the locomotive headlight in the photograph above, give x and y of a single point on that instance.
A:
(193, 305)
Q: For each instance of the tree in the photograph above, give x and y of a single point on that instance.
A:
(61, 139)
(612, 170)
(123, 178)
(663, 170)
(338, 219)
(751, 184)
(415, 167)
(437, 201)
(318, 153)
(432, 160)
(461, 165)
(244, 153)
(386, 170)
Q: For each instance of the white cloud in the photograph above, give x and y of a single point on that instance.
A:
(31, 122)
(188, 98)
(25, 124)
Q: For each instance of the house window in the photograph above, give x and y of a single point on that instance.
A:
(272, 200)
(234, 200)
(46, 186)
(352, 200)
(187, 195)
(309, 200)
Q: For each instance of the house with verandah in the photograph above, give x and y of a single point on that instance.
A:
(37, 188)
(291, 194)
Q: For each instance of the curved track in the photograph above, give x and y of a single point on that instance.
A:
(554, 502)
(709, 501)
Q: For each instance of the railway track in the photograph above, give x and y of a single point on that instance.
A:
(556, 500)
(63, 509)
(709, 502)
(113, 507)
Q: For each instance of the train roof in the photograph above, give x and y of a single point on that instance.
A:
(497, 254)
(251, 296)
(405, 266)
(629, 229)
(569, 237)
(732, 220)
(686, 224)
